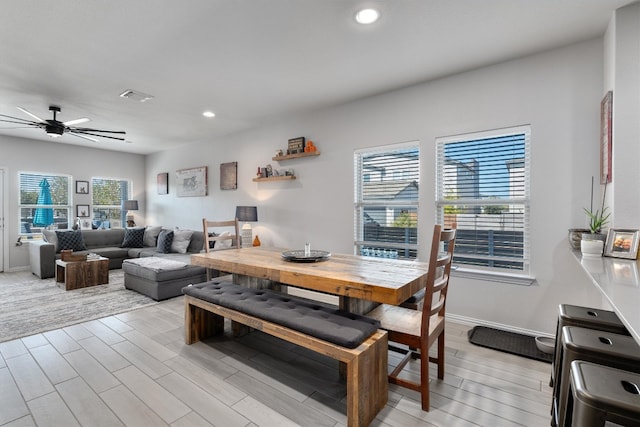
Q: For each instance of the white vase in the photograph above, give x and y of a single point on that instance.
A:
(592, 248)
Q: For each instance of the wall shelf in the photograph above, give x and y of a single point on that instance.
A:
(295, 156)
(275, 178)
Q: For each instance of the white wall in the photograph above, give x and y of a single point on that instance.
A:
(557, 92)
(83, 163)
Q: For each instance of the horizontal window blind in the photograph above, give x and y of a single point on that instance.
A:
(386, 201)
(483, 186)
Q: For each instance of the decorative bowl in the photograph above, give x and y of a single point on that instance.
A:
(546, 344)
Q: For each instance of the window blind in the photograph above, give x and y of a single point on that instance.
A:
(483, 186)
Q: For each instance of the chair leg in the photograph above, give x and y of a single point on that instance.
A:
(441, 356)
(424, 381)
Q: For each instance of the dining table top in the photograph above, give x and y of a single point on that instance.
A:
(382, 280)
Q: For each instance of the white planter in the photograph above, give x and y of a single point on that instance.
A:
(592, 248)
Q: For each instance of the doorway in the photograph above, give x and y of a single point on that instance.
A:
(2, 220)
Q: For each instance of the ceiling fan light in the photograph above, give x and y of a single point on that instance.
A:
(54, 131)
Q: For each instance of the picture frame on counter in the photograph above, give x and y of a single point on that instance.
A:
(622, 243)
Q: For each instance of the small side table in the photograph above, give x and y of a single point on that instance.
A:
(82, 274)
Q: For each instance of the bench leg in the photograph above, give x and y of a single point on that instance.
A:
(200, 324)
(367, 384)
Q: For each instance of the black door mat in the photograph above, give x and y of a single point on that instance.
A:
(509, 342)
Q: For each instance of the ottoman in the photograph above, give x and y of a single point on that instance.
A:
(160, 278)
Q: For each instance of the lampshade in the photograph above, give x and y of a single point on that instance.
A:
(131, 205)
(247, 213)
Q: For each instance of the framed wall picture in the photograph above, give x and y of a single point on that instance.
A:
(229, 176)
(85, 224)
(82, 211)
(606, 143)
(191, 182)
(295, 145)
(82, 187)
(622, 243)
(163, 183)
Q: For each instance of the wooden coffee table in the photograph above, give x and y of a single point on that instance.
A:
(82, 274)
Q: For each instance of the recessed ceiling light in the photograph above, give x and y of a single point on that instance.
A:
(209, 114)
(367, 16)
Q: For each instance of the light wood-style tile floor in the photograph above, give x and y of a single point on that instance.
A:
(134, 369)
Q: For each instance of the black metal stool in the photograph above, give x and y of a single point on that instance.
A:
(598, 394)
(605, 348)
(584, 317)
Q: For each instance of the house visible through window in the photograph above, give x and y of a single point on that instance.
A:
(108, 197)
(483, 186)
(386, 201)
(45, 202)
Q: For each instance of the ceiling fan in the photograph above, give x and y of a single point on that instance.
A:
(55, 128)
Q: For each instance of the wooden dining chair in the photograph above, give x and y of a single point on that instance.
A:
(420, 329)
(220, 240)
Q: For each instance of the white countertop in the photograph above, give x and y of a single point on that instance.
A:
(619, 282)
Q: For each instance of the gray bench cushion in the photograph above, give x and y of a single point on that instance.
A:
(138, 267)
(314, 318)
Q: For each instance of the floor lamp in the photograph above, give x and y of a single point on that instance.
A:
(247, 214)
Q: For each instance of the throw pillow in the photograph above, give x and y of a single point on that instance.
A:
(165, 238)
(181, 240)
(71, 239)
(224, 244)
(133, 237)
(151, 235)
(49, 236)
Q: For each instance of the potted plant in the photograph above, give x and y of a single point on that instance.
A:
(593, 242)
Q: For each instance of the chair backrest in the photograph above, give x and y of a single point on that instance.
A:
(219, 240)
(438, 275)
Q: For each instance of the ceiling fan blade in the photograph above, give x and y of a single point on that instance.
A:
(31, 114)
(77, 132)
(19, 121)
(82, 136)
(17, 127)
(97, 130)
(76, 121)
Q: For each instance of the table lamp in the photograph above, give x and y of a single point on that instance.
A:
(247, 214)
(130, 205)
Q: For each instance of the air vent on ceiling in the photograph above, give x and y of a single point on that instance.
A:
(135, 95)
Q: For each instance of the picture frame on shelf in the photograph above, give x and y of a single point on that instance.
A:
(606, 142)
(296, 145)
(82, 187)
(82, 211)
(622, 243)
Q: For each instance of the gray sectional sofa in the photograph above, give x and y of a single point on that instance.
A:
(107, 243)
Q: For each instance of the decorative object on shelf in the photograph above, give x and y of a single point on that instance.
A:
(163, 183)
(296, 145)
(591, 248)
(309, 147)
(229, 176)
(82, 187)
(622, 243)
(256, 241)
(606, 141)
(82, 211)
(130, 205)
(575, 236)
(247, 214)
(306, 256)
(191, 182)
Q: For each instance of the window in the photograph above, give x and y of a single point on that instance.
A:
(483, 186)
(386, 201)
(45, 202)
(108, 197)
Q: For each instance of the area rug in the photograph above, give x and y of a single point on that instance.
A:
(29, 305)
(508, 342)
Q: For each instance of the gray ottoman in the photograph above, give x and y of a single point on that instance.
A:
(160, 278)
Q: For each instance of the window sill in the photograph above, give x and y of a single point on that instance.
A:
(493, 276)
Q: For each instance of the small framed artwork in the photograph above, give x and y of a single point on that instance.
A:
(82, 211)
(229, 176)
(622, 243)
(191, 182)
(85, 224)
(606, 142)
(163, 183)
(295, 145)
(82, 187)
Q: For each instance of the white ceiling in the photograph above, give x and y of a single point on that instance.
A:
(252, 61)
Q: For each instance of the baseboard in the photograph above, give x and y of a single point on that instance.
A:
(17, 269)
(469, 321)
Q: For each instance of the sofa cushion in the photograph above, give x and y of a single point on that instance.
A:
(151, 235)
(71, 239)
(49, 236)
(181, 240)
(103, 238)
(165, 238)
(133, 237)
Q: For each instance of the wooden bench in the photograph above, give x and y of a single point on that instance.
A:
(208, 304)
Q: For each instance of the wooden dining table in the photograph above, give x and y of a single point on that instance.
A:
(360, 282)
